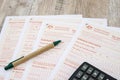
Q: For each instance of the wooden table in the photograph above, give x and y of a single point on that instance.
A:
(88, 8)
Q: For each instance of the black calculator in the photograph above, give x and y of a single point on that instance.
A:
(87, 71)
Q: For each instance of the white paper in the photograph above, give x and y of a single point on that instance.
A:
(95, 45)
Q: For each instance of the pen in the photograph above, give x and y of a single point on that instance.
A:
(31, 55)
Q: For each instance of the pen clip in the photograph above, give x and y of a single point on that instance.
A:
(17, 59)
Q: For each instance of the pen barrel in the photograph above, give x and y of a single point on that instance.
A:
(33, 54)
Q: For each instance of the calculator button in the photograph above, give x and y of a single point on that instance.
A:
(79, 74)
(101, 77)
(84, 67)
(89, 71)
(95, 73)
(74, 79)
(84, 77)
(90, 78)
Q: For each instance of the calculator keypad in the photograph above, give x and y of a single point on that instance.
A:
(101, 77)
(79, 74)
(88, 72)
(95, 73)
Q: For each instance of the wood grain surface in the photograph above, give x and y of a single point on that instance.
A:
(88, 8)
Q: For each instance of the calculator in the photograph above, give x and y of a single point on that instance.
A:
(87, 71)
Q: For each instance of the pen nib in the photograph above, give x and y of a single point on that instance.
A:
(56, 42)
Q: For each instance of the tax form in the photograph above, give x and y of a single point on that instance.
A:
(25, 45)
(95, 44)
(43, 64)
(8, 40)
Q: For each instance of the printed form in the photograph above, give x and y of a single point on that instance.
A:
(43, 64)
(97, 45)
(9, 38)
(25, 46)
